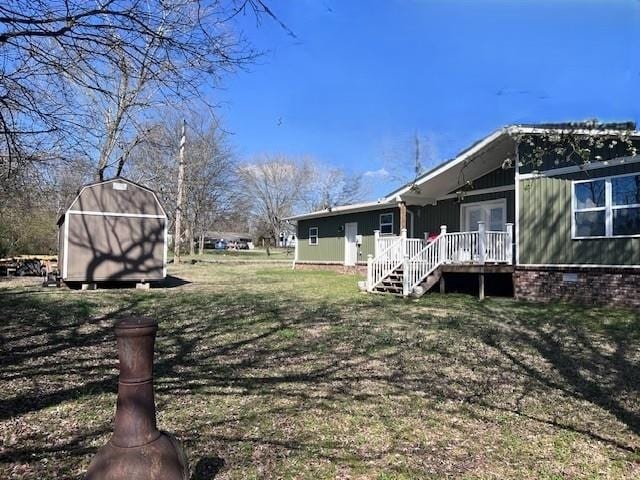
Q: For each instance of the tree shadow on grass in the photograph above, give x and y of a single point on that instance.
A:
(307, 356)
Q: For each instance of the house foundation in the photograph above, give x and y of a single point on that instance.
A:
(615, 286)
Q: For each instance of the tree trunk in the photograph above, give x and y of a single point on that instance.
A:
(192, 243)
(201, 246)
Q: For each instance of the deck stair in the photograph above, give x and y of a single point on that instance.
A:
(410, 266)
(392, 283)
(428, 283)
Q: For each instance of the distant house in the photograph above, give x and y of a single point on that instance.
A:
(560, 229)
(213, 237)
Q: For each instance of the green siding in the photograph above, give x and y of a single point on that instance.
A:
(545, 225)
(500, 177)
(330, 246)
(447, 212)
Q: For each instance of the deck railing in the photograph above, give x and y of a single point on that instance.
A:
(420, 258)
(391, 252)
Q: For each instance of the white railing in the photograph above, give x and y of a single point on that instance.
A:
(388, 260)
(462, 247)
(414, 246)
(423, 263)
(419, 258)
(382, 243)
(498, 247)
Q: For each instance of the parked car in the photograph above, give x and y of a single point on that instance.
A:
(220, 245)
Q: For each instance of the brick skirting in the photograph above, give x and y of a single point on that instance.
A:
(591, 286)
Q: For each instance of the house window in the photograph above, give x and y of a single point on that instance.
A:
(313, 236)
(607, 207)
(386, 224)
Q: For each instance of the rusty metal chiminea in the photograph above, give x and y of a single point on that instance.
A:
(137, 450)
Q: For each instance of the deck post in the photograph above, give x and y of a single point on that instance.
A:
(376, 239)
(403, 235)
(443, 243)
(509, 251)
(369, 272)
(403, 215)
(482, 246)
(481, 286)
(442, 284)
(405, 275)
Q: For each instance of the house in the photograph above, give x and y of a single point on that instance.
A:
(114, 230)
(555, 206)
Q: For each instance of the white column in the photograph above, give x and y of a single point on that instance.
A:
(295, 252)
(376, 239)
(443, 243)
(509, 251)
(405, 275)
(403, 235)
(369, 272)
(481, 242)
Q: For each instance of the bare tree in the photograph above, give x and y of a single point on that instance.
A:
(273, 186)
(408, 157)
(333, 187)
(83, 73)
(210, 175)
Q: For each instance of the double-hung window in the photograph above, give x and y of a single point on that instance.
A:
(313, 236)
(607, 207)
(386, 224)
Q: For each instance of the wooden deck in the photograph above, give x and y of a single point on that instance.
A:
(476, 268)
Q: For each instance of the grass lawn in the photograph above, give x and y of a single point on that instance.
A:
(265, 372)
(277, 255)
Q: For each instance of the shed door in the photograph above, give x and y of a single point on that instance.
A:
(350, 246)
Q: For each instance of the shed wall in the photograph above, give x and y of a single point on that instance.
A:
(106, 248)
(104, 197)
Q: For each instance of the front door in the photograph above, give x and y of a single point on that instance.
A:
(492, 213)
(350, 245)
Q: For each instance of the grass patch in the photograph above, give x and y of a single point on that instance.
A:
(265, 372)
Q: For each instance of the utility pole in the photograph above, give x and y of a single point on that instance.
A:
(176, 241)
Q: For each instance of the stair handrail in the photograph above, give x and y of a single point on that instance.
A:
(425, 262)
(383, 264)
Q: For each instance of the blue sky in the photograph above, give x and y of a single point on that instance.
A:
(363, 77)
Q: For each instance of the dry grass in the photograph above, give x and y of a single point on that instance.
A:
(268, 373)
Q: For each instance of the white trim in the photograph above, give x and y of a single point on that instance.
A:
(459, 159)
(380, 224)
(166, 246)
(498, 201)
(608, 207)
(482, 191)
(317, 235)
(517, 202)
(65, 247)
(118, 179)
(631, 174)
(577, 265)
(355, 208)
(614, 162)
(115, 214)
(346, 244)
(580, 131)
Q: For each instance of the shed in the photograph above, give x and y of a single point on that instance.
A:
(114, 230)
